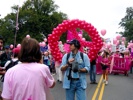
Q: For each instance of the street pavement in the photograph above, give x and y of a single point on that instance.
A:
(120, 87)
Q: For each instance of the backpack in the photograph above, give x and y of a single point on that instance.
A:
(10, 65)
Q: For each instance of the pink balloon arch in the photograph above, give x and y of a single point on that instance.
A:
(95, 45)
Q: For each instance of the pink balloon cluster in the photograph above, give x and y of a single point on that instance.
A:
(118, 39)
(42, 44)
(95, 45)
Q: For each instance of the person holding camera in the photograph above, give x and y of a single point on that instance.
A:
(75, 65)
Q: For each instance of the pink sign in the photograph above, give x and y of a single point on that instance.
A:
(70, 35)
(66, 47)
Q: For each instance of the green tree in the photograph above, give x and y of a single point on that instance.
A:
(36, 18)
(127, 24)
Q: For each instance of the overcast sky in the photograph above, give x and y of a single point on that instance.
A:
(103, 14)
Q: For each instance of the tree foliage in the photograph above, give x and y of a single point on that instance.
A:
(36, 18)
(127, 24)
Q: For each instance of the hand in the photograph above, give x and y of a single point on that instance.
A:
(1, 68)
(103, 63)
(71, 60)
(82, 70)
(4, 72)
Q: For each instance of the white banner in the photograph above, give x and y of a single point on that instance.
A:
(122, 48)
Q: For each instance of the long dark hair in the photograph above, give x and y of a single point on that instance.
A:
(106, 54)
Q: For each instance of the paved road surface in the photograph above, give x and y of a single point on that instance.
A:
(120, 87)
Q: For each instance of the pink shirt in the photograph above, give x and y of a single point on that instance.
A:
(27, 82)
(116, 55)
(105, 60)
(57, 64)
(126, 56)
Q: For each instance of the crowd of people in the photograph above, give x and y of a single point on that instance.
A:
(35, 68)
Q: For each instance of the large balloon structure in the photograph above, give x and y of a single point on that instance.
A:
(95, 45)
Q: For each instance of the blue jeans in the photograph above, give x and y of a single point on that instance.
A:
(93, 73)
(75, 88)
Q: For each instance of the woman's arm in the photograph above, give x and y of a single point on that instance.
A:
(102, 63)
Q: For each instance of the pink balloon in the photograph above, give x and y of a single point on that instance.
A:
(19, 45)
(43, 44)
(114, 41)
(118, 37)
(117, 43)
(40, 44)
(60, 42)
(11, 46)
(103, 32)
(83, 39)
(123, 38)
(123, 43)
(131, 44)
(27, 36)
(80, 35)
(109, 46)
(45, 40)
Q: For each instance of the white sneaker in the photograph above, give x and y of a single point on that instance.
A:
(106, 82)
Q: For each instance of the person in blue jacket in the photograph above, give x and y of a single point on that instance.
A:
(75, 65)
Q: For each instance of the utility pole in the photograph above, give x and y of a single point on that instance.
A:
(17, 28)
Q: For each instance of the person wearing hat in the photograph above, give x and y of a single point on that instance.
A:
(75, 66)
(4, 57)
